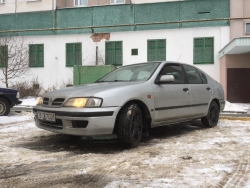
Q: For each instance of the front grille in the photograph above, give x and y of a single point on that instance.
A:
(55, 125)
(57, 102)
(45, 101)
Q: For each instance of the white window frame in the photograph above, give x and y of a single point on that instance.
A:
(2, 1)
(78, 3)
(247, 32)
(115, 2)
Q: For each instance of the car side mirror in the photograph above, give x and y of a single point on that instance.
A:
(166, 79)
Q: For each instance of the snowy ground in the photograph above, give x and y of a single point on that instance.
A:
(178, 156)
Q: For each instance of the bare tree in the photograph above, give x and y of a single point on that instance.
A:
(14, 58)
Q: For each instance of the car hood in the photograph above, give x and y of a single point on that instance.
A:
(7, 90)
(88, 90)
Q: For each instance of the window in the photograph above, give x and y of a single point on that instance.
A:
(203, 50)
(157, 50)
(134, 52)
(176, 71)
(36, 55)
(117, 1)
(193, 75)
(2, 1)
(248, 28)
(113, 54)
(73, 54)
(81, 2)
(3, 56)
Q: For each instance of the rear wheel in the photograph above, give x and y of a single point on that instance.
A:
(212, 117)
(130, 125)
(4, 107)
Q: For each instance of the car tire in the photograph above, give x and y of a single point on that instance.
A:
(4, 107)
(130, 126)
(212, 117)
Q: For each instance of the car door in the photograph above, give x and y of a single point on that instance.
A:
(172, 100)
(200, 90)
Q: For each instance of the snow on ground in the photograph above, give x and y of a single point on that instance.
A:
(174, 156)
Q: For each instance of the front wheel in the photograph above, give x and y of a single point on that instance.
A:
(4, 107)
(130, 125)
(212, 117)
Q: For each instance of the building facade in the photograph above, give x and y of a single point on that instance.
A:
(119, 33)
(235, 56)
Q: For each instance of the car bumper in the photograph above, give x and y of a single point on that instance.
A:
(82, 122)
(222, 104)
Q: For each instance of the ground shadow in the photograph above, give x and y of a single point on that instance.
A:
(103, 144)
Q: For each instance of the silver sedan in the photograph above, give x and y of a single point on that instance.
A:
(131, 100)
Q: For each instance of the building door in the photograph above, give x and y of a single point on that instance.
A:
(238, 90)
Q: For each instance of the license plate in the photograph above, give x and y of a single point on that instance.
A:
(46, 116)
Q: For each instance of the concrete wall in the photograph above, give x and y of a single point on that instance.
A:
(232, 61)
(179, 47)
(239, 9)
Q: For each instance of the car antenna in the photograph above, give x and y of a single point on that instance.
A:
(179, 58)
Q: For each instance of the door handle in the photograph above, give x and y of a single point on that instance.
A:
(185, 89)
(208, 88)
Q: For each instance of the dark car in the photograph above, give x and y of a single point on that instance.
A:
(8, 99)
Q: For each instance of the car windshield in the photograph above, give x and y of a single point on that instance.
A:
(138, 72)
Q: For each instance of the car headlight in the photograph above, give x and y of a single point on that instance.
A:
(83, 102)
(18, 95)
(39, 101)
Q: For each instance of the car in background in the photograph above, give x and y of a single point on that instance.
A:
(8, 99)
(131, 100)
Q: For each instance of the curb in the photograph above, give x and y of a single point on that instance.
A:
(235, 118)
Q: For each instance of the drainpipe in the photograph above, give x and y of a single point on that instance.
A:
(15, 5)
(96, 55)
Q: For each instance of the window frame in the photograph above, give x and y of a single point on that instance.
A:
(198, 72)
(79, 5)
(115, 2)
(156, 40)
(2, 1)
(247, 23)
(74, 43)
(203, 51)
(113, 52)
(157, 80)
(36, 64)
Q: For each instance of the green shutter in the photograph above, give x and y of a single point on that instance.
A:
(118, 54)
(203, 51)
(32, 55)
(113, 53)
(78, 54)
(40, 55)
(36, 55)
(3, 56)
(156, 50)
(73, 54)
(209, 50)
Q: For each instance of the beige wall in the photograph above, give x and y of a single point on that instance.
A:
(239, 9)
(232, 61)
(8, 7)
(39, 5)
(70, 3)
(11, 6)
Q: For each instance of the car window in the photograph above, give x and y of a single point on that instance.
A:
(137, 72)
(192, 75)
(176, 71)
(124, 75)
(203, 77)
